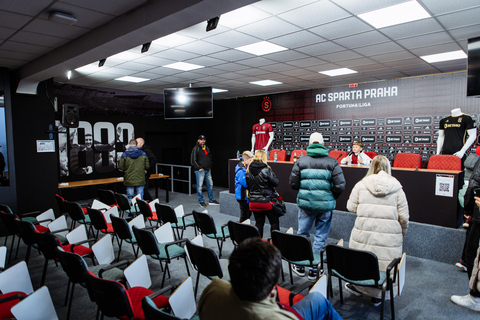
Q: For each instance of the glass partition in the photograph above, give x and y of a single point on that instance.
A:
(4, 178)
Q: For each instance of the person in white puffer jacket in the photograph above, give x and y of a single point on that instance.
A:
(382, 216)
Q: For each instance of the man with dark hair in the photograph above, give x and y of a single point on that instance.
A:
(152, 160)
(254, 268)
(134, 164)
(201, 160)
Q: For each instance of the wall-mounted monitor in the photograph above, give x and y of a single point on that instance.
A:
(473, 75)
(188, 103)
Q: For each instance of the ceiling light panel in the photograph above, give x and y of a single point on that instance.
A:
(265, 83)
(215, 90)
(132, 79)
(393, 15)
(338, 72)
(261, 48)
(183, 66)
(446, 56)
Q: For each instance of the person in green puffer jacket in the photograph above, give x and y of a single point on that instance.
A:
(134, 164)
(319, 180)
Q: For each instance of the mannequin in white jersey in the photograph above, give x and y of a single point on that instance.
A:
(260, 132)
(468, 126)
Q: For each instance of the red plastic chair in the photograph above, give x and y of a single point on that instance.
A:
(7, 301)
(371, 154)
(338, 155)
(444, 162)
(297, 153)
(407, 160)
(281, 155)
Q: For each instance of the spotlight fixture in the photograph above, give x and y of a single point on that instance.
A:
(212, 23)
(101, 62)
(145, 47)
(62, 17)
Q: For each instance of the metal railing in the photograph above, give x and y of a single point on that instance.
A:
(172, 177)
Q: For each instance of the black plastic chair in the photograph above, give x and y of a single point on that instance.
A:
(75, 267)
(124, 205)
(114, 300)
(124, 233)
(77, 214)
(206, 262)
(361, 268)
(48, 243)
(160, 251)
(100, 224)
(296, 249)
(147, 212)
(167, 214)
(107, 197)
(206, 226)
(241, 231)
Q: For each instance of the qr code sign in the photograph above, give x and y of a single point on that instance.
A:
(444, 187)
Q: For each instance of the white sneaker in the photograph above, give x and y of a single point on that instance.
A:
(467, 301)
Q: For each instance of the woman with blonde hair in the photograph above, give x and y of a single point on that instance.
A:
(261, 182)
(382, 217)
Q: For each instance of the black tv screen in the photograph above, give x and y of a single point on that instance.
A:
(473, 76)
(188, 103)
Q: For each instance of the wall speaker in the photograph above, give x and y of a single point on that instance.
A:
(70, 115)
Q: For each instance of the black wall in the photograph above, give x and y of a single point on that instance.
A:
(36, 173)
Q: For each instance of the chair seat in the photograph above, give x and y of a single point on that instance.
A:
(284, 294)
(6, 306)
(316, 261)
(112, 274)
(32, 220)
(370, 282)
(154, 216)
(173, 251)
(41, 228)
(109, 229)
(132, 240)
(63, 240)
(80, 250)
(180, 224)
(219, 233)
(86, 220)
(136, 295)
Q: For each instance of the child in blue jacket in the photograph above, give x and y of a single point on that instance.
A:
(241, 185)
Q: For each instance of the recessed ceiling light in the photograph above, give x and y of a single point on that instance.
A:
(214, 90)
(337, 72)
(261, 48)
(132, 79)
(69, 74)
(183, 66)
(446, 56)
(89, 68)
(393, 15)
(265, 83)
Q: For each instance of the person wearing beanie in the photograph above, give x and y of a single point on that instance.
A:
(319, 180)
(201, 160)
(357, 156)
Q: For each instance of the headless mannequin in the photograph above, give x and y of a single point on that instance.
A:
(472, 134)
(261, 122)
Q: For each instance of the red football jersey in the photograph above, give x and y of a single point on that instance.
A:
(262, 134)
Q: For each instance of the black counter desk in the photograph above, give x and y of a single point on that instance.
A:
(419, 187)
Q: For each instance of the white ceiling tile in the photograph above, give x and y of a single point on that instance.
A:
(314, 14)
(427, 39)
(202, 47)
(411, 29)
(307, 62)
(176, 55)
(232, 39)
(380, 48)
(205, 61)
(320, 48)
(361, 40)
(340, 56)
(269, 28)
(460, 19)
(357, 7)
(297, 39)
(441, 7)
(341, 28)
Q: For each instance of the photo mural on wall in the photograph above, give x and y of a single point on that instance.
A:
(392, 116)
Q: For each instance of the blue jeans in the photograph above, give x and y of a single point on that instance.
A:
(207, 176)
(322, 220)
(133, 191)
(315, 307)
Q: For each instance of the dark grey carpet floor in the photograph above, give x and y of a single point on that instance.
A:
(426, 294)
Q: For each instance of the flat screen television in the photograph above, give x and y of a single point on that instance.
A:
(188, 103)
(473, 74)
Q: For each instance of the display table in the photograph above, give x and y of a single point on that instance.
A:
(419, 186)
(93, 182)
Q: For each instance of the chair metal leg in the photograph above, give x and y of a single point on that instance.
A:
(67, 294)
(196, 284)
(392, 307)
(291, 274)
(18, 246)
(70, 302)
(135, 252)
(340, 289)
(120, 250)
(27, 255)
(382, 308)
(164, 274)
(186, 265)
(44, 274)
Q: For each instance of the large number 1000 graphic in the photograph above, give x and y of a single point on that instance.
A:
(92, 149)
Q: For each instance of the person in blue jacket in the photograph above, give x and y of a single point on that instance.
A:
(241, 185)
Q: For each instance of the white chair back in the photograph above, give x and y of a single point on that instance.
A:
(3, 256)
(138, 274)
(164, 233)
(320, 286)
(179, 212)
(247, 221)
(152, 205)
(182, 300)
(16, 278)
(112, 210)
(47, 217)
(58, 224)
(99, 205)
(401, 273)
(103, 250)
(138, 221)
(77, 235)
(37, 306)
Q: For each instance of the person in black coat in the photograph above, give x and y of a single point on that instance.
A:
(261, 183)
(152, 160)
